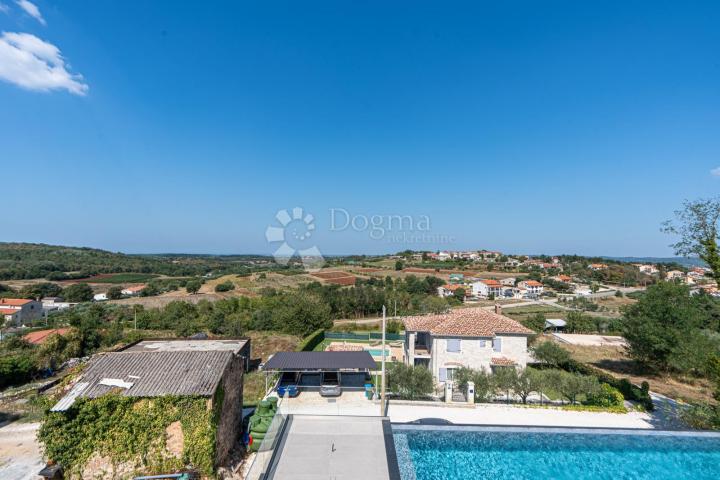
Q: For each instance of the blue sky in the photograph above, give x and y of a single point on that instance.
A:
(555, 127)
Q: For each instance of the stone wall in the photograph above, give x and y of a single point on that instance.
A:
(230, 422)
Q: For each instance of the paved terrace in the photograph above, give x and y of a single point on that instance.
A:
(348, 448)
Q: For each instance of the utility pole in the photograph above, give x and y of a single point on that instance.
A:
(135, 310)
(382, 389)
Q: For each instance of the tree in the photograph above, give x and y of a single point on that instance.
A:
(409, 382)
(536, 322)
(40, 290)
(114, 293)
(550, 353)
(79, 292)
(459, 294)
(193, 286)
(505, 378)
(481, 379)
(697, 226)
(526, 383)
(398, 265)
(574, 384)
(659, 324)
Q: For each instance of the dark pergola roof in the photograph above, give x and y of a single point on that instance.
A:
(320, 361)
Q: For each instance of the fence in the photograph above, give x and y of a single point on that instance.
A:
(391, 337)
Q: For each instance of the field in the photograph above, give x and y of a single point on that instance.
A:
(115, 278)
(523, 313)
(615, 361)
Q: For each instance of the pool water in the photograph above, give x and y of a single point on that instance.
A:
(434, 454)
(378, 352)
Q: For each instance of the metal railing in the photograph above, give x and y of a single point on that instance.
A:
(263, 457)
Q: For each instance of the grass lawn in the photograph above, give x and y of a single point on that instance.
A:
(262, 345)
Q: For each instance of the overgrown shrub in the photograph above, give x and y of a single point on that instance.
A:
(312, 341)
(128, 429)
(409, 382)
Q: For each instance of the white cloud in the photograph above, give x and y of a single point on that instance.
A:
(35, 64)
(31, 9)
(715, 172)
(4, 8)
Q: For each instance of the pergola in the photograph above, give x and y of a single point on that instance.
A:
(305, 363)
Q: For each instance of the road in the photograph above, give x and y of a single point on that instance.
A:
(20, 457)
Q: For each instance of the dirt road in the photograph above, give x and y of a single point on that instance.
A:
(20, 457)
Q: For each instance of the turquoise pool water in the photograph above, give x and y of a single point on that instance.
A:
(434, 454)
(378, 352)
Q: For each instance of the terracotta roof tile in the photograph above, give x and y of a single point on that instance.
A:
(15, 302)
(502, 361)
(41, 335)
(466, 322)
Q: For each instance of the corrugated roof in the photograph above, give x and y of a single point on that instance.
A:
(302, 361)
(152, 374)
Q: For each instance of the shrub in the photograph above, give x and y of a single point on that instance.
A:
(225, 286)
(606, 396)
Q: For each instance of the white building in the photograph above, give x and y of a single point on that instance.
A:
(674, 274)
(100, 297)
(468, 337)
(532, 287)
(485, 288)
(133, 290)
(647, 269)
(508, 282)
(448, 290)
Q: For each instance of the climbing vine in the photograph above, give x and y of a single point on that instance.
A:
(131, 429)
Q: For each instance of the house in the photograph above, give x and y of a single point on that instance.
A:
(597, 267)
(512, 263)
(470, 337)
(207, 374)
(456, 278)
(19, 311)
(100, 297)
(562, 278)
(443, 256)
(448, 290)
(555, 324)
(133, 290)
(532, 287)
(50, 304)
(674, 274)
(486, 288)
(40, 336)
(647, 269)
(508, 282)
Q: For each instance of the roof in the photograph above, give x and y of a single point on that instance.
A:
(491, 283)
(175, 367)
(187, 346)
(8, 311)
(466, 322)
(452, 287)
(302, 361)
(532, 283)
(41, 335)
(134, 288)
(555, 322)
(141, 374)
(14, 302)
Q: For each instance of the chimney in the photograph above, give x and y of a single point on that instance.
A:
(498, 309)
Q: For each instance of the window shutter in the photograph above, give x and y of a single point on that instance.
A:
(497, 344)
(483, 343)
(443, 374)
(453, 345)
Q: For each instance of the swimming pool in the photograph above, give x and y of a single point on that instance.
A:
(377, 352)
(459, 453)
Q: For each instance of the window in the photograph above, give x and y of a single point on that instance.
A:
(497, 344)
(483, 343)
(453, 345)
(443, 375)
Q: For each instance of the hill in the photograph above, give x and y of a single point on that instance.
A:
(33, 260)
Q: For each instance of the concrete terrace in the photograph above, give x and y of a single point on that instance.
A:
(350, 448)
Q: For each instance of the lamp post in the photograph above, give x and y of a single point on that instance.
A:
(382, 389)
